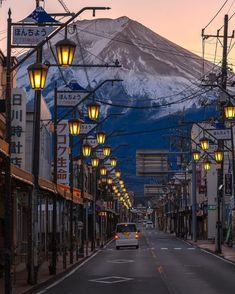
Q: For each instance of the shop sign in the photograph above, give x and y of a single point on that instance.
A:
(18, 127)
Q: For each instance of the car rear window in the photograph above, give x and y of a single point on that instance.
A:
(126, 228)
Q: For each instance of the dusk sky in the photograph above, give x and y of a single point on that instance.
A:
(180, 21)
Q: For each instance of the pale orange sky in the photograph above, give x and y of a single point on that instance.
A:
(180, 21)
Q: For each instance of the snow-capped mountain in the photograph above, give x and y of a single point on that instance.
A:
(154, 70)
(159, 77)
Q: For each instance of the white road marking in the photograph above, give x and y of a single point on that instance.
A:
(121, 261)
(191, 248)
(111, 280)
(69, 274)
(219, 257)
(177, 248)
(164, 248)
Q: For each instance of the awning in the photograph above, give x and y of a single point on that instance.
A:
(4, 147)
(21, 175)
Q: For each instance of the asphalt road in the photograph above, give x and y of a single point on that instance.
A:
(162, 265)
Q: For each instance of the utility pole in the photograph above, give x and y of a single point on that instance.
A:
(220, 172)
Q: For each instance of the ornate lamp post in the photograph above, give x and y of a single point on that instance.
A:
(93, 110)
(196, 155)
(103, 171)
(106, 150)
(113, 161)
(95, 161)
(219, 155)
(204, 143)
(109, 181)
(118, 173)
(229, 110)
(74, 126)
(86, 149)
(65, 51)
(37, 75)
(207, 164)
(100, 137)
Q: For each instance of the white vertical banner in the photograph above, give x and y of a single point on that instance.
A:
(62, 153)
(18, 127)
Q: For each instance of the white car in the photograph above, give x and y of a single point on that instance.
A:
(149, 225)
(127, 235)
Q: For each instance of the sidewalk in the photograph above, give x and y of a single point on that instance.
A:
(44, 278)
(227, 252)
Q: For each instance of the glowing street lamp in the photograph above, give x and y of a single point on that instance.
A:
(204, 143)
(118, 173)
(103, 171)
(196, 155)
(109, 181)
(218, 155)
(113, 161)
(65, 50)
(207, 164)
(86, 149)
(93, 110)
(100, 137)
(229, 110)
(95, 161)
(37, 75)
(106, 150)
(74, 126)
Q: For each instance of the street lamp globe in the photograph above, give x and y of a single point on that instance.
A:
(100, 137)
(207, 164)
(196, 155)
(74, 126)
(106, 150)
(113, 161)
(103, 171)
(93, 110)
(118, 173)
(95, 161)
(109, 181)
(229, 110)
(218, 155)
(37, 75)
(121, 182)
(86, 149)
(65, 50)
(204, 143)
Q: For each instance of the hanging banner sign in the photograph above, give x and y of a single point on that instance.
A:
(30, 35)
(18, 127)
(228, 184)
(86, 128)
(70, 98)
(62, 153)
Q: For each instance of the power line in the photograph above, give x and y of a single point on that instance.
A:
(216, 14)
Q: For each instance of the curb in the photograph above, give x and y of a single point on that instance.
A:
(212, 252)
(41, 286)
(58, 276)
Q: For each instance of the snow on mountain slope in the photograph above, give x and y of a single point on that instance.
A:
(154, 70)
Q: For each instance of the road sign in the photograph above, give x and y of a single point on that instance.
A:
(219, 134)
(86, 128)
(30, 35)
(70, 98)
(211, 206)
(92, 141)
